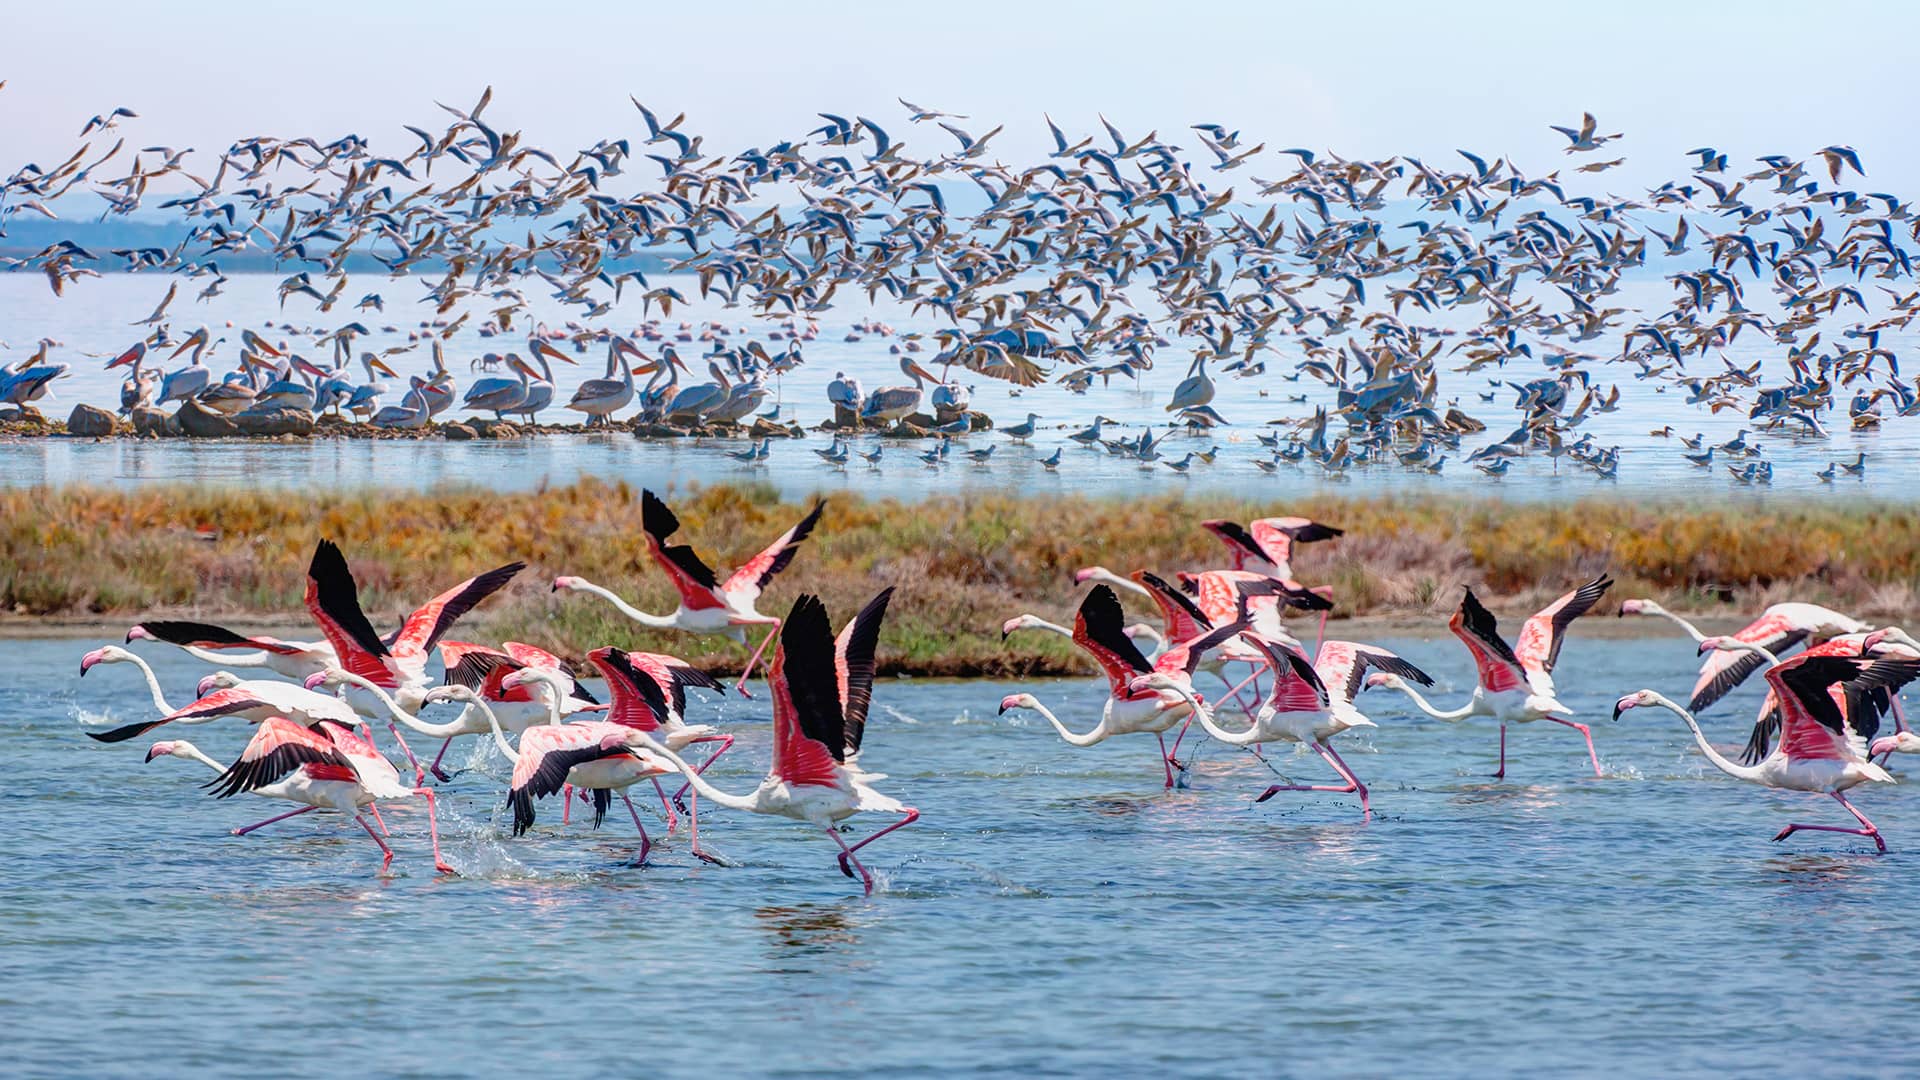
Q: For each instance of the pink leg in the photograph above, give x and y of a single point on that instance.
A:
(1899, 724)
(912, 816)
(847, 856)
(276, 817)
(566, 804)
(384, 849)
(419, 774)
(1177, 739)
(1866, 829)
(1588, 732)
(726, 743)
(693, 827)
(1352, 784)
(435, 767)
(741, 686)
(374, 808)
(1233, 689)
(433, 830)
(646, 845)
(673, 820)
(1166, 763)
(1503, 752)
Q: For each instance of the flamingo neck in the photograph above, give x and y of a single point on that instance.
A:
(432, 731)
(184, 749)
(1097, 734)
(153, 686)
(657, 622)
(257, 658)
(1422, 704)
(1740, 772)
(707, 791)
(1691, 630)
(493, 723)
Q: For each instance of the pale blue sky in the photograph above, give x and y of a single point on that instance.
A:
(1363, 79)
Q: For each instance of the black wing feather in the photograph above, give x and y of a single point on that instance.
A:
(1106, 626)
(467, 599)
(863, 640)
(1481, 623)
(339, 597)
(806, 642)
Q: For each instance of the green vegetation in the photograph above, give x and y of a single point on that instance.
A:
(963, 564)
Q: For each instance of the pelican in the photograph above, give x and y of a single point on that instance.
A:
(138, 389)
(286, 391)
(743, 399)
(696, 400)
(500, 395)
(601, 398)
(190, 380)
(438, 391)
(540, 390)
(1195, 390)
(844, 393)
(896, 402)
(364, 400)
(412, 413)
(29, 380)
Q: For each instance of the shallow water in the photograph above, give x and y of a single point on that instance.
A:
(1054, 907)
(92, 325)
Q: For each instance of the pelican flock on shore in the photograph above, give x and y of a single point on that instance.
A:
(314, 745)
(1297, 273)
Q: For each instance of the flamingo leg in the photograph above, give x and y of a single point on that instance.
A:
(419, 774)
(1899, 724)
(374, 809)
(1866, 829)
(753, 660)
(673, 820)
(1352, 784)
(1175, 755)
(433, 830)
(726, 743)
(566, 804)
(1588, 732)
(847, 856)
(646, 845)
(434, 768)
(276, 817)
(1501, 774)
(1166, 762)
(384, 849)
(693, 819)
(912, 815)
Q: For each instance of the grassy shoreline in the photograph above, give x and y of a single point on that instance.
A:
(107, 557)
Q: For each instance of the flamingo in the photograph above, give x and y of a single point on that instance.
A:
(216, 645)
(1515, 685)
(1778, 629)
(398, 663)
(1098, 628)
(1309, 703)
(706, 605)
(329, 769)
(650, 693)
(591, 755)
(1822, 749)
(821, 686)
(220, 695)
(1265, 546)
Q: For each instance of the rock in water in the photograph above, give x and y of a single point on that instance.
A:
(201, 422)
(275, 420)
(148, 420)
(458, 432)
(90, 422)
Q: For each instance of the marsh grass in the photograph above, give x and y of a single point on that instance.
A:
(963, 563)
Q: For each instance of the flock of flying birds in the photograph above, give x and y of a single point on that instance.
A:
(1370, 277)
(313, 747)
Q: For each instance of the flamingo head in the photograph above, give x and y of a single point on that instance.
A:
(106, 654)
(1017, 701)
(1093, 573)
(139, 633)
(565, 582)
(1871, 642)
(1637, 607)
(1386, 679)
(1713, 643)
(1632, 701)
(161, 749)
(329, 676)
(1152, 682)
(219, 680)
(1018, 622)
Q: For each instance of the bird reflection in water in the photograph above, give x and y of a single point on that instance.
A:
(809, 928)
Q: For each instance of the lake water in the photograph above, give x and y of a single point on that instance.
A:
(1054, 911)
(93, 320)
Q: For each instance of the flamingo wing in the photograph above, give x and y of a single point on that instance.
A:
(1240, 544)
(745, 584)
(1297, 687)
(333, 600)
(468, 664)
(1476, 627)
(1276, 536)
(278, 747)
(853, 662)
(1099, 628)
(1813, 724)
(1766, 724)
(434, 618)
(692, 579)
(1541, 636)
(809, 727)
(547, 754)
(1183, 618)
(534, 656)
(209, 636)
(1343, 666)
(1723, 669)
(1185, 657)
(637, 699)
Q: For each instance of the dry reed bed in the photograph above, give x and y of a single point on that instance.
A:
(963, 563)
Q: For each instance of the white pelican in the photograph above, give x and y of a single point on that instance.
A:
(190, 380)
(601, 398)
(540, 390)
(498, 395)
(895, 402)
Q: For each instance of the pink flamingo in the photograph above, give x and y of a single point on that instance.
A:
(329, 769)
(1098, 628)
(815, 776)
(221, 695)
(1821, 749)
(1515, 684)
(706, 605)
(219, 645)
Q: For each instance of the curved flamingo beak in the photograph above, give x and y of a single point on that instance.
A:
(313, 681)
(1631, 607)
(563, 583)
(138, 633)
(1623, 705)
(1885, 745)
(200, 689)
(1007, 628)
(159, 749)
(92, 658)
(1708, 646)
(1011, 701)
(1871, 641)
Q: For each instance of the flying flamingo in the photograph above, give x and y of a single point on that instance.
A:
(220, 695)
(585, 754)
(397, 664)
(1821, 748)
(481, 668)
(328, 769)
(706, 605)
(1515, 685)
(1778, 629)
(1767, 723)
(1309, 703)
(661, 710)
(1097, 629)
(219, 645)
(1266, 546)
(819, 720)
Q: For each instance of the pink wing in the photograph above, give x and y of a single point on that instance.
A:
(745, 584)
(426, 625)
(1539, 645)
